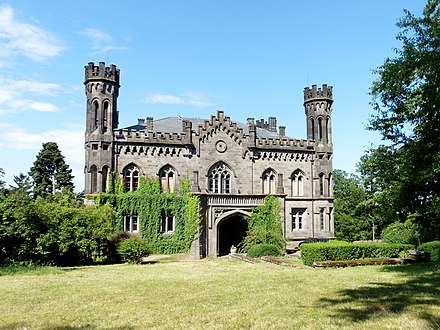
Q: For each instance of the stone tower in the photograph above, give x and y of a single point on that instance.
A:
(318, 105)
(102, 89)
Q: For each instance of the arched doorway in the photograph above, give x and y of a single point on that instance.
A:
(230, 231)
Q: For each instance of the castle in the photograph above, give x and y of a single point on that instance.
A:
(231, 166)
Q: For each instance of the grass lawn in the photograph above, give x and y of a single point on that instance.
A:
(221, 294)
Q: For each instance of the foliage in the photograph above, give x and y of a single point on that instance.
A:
(405, 172)
(2, 174)
(113, 241)
(353, 216)
(337, 250)
(260, 250)
(433, 248)
(150, 203)
(57, 229)
(133, 249)
(23, 182)
(264, 226)
(50, 173)
(402, 232)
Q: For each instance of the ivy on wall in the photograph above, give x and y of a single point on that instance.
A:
(149, 202)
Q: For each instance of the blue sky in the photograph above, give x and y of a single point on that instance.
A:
(189, 58)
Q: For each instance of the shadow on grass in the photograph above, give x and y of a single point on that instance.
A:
(416, 290)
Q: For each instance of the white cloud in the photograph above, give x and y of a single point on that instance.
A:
(17, 95)
(190, 98)
(70, 141)
(101, 41)
(17, 38)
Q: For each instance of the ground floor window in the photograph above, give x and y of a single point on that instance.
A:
(131, 224)
(167, 223)
(297, 218)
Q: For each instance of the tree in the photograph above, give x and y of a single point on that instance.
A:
(50, 173)
(353, 217)
(406, 99)
(23, 182)
(2, 174)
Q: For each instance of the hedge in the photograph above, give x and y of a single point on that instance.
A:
(336, 250)
(433, 248)
(260, 250)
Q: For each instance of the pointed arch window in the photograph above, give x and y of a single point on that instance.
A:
(167, 177)
(298, 183)
(321, 184)
(219, 179)
(95, 114)
(319, 129)
(131, 177)
(269, 182)
(93, 179)
(104, 182)
(105, 117)
(330, 185)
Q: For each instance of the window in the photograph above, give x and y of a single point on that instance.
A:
(105, 117)
(93, 179)
(167, 179)
(269, 183)
(94, 146)
(297, 218)
(166, 223)
(319, 129)
(131, 223)
(131, 178)
(322, 219)
(219, 179)
(298, 183)
(104, 178)
(321, 184)
(95, 114)
(330, 185)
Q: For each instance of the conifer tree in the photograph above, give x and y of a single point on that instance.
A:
(50, 173)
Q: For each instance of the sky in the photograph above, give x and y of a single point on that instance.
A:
(189, 58)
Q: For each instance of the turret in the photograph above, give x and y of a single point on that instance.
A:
(318, 107)
(102, 90)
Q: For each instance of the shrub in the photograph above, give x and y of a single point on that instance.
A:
(261, 250)
(133, 249)
(433, 248)
(402, 233)
(336, 250)
(113, 242)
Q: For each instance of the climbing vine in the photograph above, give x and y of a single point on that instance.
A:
(149, 203)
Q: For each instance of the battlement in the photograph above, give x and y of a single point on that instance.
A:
(326, 92)
(284, 144)
(100, 72)
(145, 136)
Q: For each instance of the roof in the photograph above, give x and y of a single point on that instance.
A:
(174, 124)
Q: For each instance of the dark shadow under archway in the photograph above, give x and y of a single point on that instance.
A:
(230, 231)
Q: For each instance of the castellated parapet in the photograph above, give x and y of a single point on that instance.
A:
(102, 72)
(317, 93)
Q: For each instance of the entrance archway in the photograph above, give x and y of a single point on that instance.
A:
(230, 231)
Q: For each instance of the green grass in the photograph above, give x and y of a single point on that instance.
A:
(222, 294)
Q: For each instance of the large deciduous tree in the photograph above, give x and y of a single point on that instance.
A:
(50, 173)
(405, 172)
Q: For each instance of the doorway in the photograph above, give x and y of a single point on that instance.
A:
(230, 231)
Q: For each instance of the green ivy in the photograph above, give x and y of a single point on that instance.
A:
(148, 202)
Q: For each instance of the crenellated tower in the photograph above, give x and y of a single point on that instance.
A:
(102, 90)
(318, 106)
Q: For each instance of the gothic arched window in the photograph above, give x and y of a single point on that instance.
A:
(95, 114)
(330, 185)
(219, 179)
(167, 177)
(131, 177)
(93, 179)
(105, 116)
(269, 182)
(104, 182)
(321, 184)
(298, 183)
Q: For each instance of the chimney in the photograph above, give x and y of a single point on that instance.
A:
(272, 124)
(282, 131)
(141, 121)
(149, 124)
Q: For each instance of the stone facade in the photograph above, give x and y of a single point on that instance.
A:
(231, 165)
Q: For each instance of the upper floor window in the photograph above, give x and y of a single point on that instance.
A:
(167, 179)
(269, 182)
(219, 179)
(321, 184)
(330, 185)
(298, 183)
(94, 179)
(131, 177)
